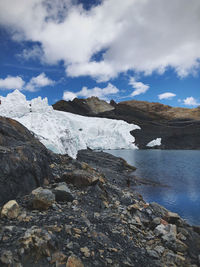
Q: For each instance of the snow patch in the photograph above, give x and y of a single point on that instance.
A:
(64, 132)
(155, 142)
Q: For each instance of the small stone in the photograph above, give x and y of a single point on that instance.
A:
(77, 231)
(109, 261)
(153, 254)
(68, 229)
(156, 221)
(69, 245)
(180, 260)
(42, 199)
(181, 237)
(85, 251)
(74, 261)
(180, 246)
(159, 249)
(10, 209)
(6, 257)
(58, 258)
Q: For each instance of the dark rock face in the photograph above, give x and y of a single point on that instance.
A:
(24, 163)
(179, 128)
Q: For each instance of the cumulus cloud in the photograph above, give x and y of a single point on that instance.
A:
(166, 95)
(67, 95)
(37, 82)
(140, 88)
(143, 36)
(11, 82)
(191, 101)
(102, 93)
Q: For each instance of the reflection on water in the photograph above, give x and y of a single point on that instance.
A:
(179, 169)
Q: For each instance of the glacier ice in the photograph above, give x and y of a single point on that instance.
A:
(155, 142)
(64, 132)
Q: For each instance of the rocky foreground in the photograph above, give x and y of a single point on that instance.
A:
(82, 212)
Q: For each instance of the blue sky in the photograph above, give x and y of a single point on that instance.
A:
(121, 50)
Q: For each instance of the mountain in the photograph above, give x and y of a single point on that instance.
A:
(178, 128)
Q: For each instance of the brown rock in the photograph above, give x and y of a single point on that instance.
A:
(81, 178)
(85, 251)
(74, 261)
(10, 209)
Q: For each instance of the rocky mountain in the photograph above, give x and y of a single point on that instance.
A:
(178, 128)
(24, 163)
(58, 211)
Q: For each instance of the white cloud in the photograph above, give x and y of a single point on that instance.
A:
(11, 82)
(67, 95)
(166, 95)
(143, 36)
(37, 82)
(102, 93)
(190, 101)
(33, 85)
(140, 88)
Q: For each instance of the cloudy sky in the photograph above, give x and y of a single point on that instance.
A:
(113, 49)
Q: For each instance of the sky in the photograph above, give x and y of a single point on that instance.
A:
(145, 50)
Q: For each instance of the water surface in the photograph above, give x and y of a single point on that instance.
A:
(179, 169)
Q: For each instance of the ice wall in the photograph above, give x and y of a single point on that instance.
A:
(64, 132)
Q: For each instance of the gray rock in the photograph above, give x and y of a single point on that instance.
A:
(63, 193)
(6, 257)
(153, 254)
(42, 199)
(159, 249)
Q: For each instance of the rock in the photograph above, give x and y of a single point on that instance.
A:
(172, 217)
(24, 162)
(180, 246)
(159, 249)
(42, 199)
(6, 257)
(10, 210)
(81, 178)
(74, 261)
(153, 254)
(180, 260)
(155, 222)
(63, 193)
(59, 258)
(167, 232)
(85, 251)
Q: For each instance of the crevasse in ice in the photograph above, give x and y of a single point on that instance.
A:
(63, 132)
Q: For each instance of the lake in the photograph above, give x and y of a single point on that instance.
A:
(178, 169)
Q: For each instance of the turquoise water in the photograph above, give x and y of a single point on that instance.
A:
(179, 169)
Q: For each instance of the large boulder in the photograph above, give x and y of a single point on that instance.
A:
(24, 163)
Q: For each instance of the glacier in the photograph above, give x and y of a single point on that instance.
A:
(64, 132)
(155, 142)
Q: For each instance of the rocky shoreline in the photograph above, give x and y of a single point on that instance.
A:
(88, 216)
(82, 212)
